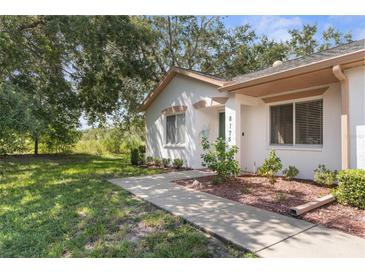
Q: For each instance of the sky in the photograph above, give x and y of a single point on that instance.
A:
(276, 27)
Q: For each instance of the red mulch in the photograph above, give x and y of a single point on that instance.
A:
(258, 191)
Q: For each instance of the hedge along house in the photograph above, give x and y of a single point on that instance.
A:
(311, 110)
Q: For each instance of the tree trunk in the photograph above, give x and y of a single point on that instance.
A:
(36, 146)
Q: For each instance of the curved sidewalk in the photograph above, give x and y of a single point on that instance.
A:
(265, 233)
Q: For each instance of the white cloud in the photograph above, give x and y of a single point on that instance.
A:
(275, 27)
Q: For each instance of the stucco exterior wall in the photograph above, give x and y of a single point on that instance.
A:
(356, 78)
(182, 91)
(251, 116)
(255, 142)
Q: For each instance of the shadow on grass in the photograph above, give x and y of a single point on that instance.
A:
(62, 206)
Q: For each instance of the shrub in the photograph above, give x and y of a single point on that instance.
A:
(290, 173)
(142, 152)
(271, 166)
(157, 161)
(166, 162)
(351, 189)
(217, 180)
(135, 156)
(178, 163)
(324, 176)
(149, 160)
(142, 149)
(141, 161)
(220, 158)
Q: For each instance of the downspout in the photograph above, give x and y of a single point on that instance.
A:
(337, 71)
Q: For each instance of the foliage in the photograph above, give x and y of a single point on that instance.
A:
(290, 173)
(304, 42)
(138, 155)
(149, 160)
(62, 206)
(332, 37)
(36, 56)
(270, 167)
(351, 189)
(102, 66)
(60, 64)
(142, 149)
(217, 180)
(178, 163)
(106, 140)
(14, 120)
(324, 176)
(166, 162)
(142, 153)
(220, 158)
(157, 161)
(135, 156)
(204, 43)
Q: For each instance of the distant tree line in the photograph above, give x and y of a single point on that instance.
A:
(55, 68)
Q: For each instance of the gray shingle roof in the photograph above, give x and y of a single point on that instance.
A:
(305, 60)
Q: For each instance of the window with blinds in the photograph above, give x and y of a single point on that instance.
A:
(308, 125)
(175, 129)
(171, 129)
(282, 124)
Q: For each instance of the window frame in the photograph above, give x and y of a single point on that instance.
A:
(295, 146)
(166, 144)
(219, 112)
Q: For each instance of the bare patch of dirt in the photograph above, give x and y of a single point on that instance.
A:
(139, 231)
(280, 197)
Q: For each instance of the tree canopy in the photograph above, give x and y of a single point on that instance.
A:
(55, 68)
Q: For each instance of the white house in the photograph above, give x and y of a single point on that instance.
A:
(311, 110)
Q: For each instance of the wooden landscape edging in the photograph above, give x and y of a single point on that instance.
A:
(299, 210)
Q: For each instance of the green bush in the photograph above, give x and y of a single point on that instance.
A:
(108, 141)
(141, 161)
(351, 189)
(157, 161)
(178, 163)
(324, 176)
(217, 180)
(149, 160)
(135, 156)
(271, 166)
(142, 149)
(166, 162)
(290, 173)
(220, 158)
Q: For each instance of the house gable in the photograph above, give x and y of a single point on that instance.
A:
(171, 74)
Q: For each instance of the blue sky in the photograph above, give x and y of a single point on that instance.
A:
(276, 27)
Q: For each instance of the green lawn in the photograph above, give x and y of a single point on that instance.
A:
(62, 206)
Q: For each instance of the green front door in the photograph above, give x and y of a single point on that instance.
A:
(222, 125)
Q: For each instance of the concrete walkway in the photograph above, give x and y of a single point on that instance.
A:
(266, 233)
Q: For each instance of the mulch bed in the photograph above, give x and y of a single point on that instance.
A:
(259, 192)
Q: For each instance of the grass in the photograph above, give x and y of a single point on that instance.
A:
(62, 206)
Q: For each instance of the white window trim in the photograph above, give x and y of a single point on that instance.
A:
(294, 146)
(168, 145)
